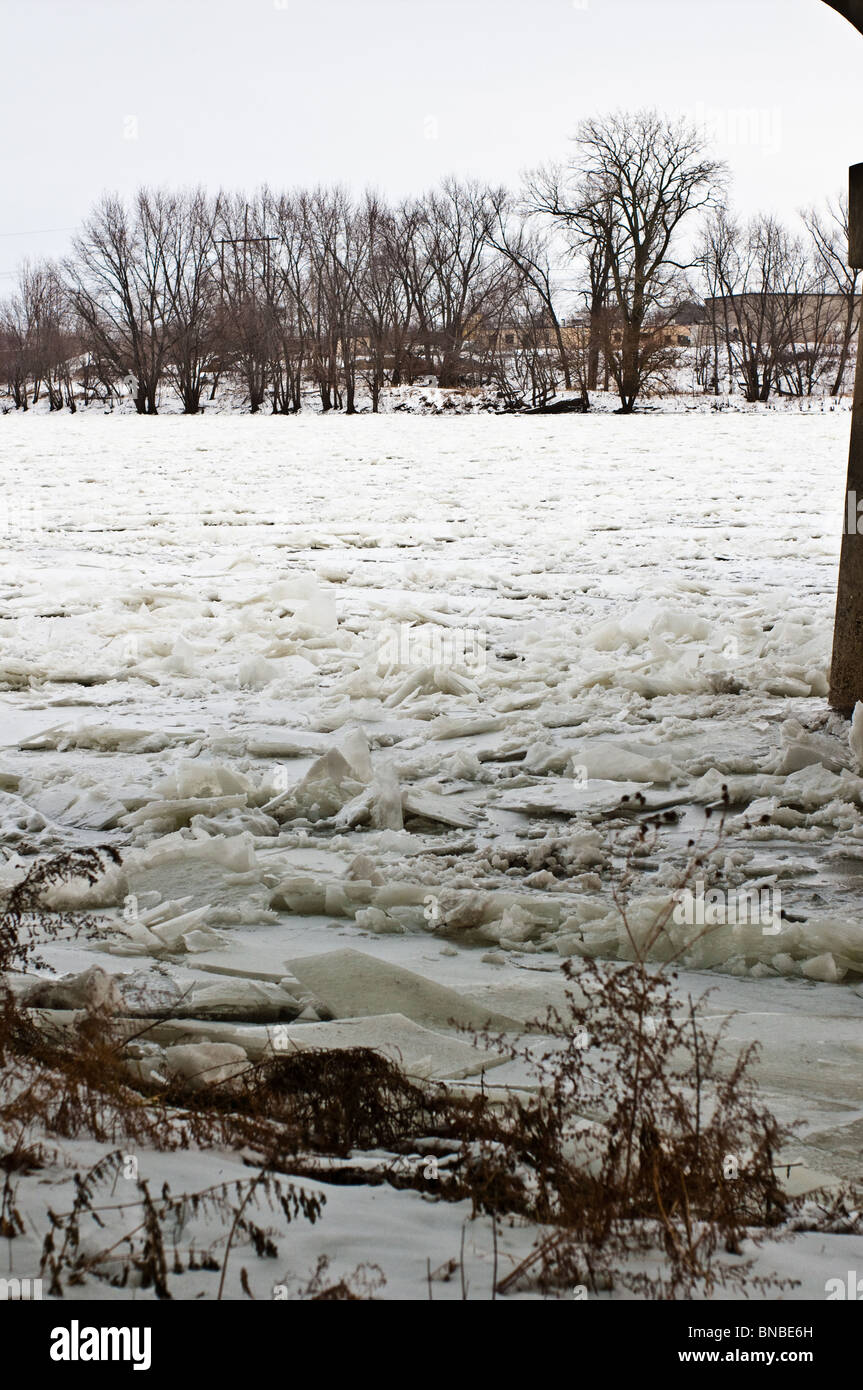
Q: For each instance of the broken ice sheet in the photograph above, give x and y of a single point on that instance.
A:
(249, 708)
(562, 796)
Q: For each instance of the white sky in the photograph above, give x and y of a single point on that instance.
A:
(397, 93)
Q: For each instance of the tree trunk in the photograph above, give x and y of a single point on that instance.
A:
(593, 345)
(629, 367)
(847, 337)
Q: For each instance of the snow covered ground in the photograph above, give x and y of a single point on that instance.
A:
(394, 686)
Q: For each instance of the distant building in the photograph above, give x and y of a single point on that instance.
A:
(816, 315)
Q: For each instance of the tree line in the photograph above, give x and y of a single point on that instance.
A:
(590, 276)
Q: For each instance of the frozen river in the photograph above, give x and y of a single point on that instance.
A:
(505, 625)
(356, 698)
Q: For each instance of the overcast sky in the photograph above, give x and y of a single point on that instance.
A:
(107, 94)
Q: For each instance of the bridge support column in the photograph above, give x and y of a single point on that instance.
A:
(846, 670)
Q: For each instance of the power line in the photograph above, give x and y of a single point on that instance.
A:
(36, 231)
(41, 231)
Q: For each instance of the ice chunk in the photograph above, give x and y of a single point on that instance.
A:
(855, 735)
(387, 805)
(93, 989)
(374, 919)
(518, 926)
(801, 748)
(417, 1050)
(206, 1063)
(196, 777)
(255, 673)
(330, 783)
(184, 660)
(448, 726)
(355, 748)
(610, 762)
(319, 612)
(445, 810)
(256, 1001)
(823, 968)
(563, 796)
(421, 681)
(100, 737)
(84, 807)
(355, 984)
(175, 813)
(230, 853)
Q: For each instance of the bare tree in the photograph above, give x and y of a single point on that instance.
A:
(38, 341)
(576, 282)
(18, 318)
(243, 316)
(383, 289)
(526, 357)
(829, 233)
(633, 181)
(118, 285)
(529, 252)
(186, 228)
(458, 277)
(810, 350)
(290, 293)
(339, 247)
(769, 307)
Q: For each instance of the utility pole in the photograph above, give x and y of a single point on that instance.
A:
(245, 242)
(846, 670)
